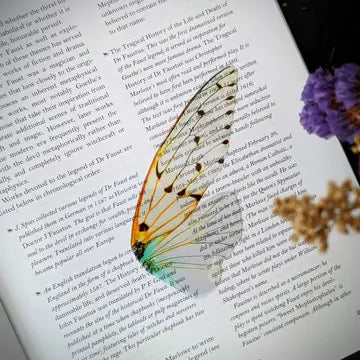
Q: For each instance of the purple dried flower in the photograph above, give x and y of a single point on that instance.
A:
(340, 125)
(347, 90)
(347, 85)
(317, 96)
(332, 105)
(319, 88)
(314, 120)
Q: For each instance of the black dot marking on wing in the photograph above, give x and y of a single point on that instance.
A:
(139, 250)
(181, 193)
(219, 86)
(227, 127)
(225, 142)
(198, 167)
(231, 97)
(221, 161)
(232, 84)
(143, 227)
(197, 140)
(229, 112)
(169, 189)
(158, 173)
(201, 112)
(197, 197)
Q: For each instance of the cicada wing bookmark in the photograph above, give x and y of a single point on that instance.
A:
(171, 210)
(190, 258)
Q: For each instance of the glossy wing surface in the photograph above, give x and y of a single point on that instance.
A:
(187, 162)
(190, 257)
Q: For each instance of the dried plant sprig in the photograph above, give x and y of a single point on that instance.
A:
(356, 147)
(313, 220)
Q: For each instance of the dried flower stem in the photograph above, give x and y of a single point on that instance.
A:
(314, 220)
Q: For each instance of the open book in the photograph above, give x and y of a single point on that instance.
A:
(88, 92)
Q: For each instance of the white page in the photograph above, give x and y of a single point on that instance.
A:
(68, 277)
(9, 344)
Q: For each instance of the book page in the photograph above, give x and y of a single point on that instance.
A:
(9, 344)
(88, 92)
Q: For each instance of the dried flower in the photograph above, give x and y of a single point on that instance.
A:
(331, 103)
(356, 148)
(314, 120)
(314, 220)
(317, 95)
(347, 86)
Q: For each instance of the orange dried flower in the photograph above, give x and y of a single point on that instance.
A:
(313, 220)
(356, 147)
